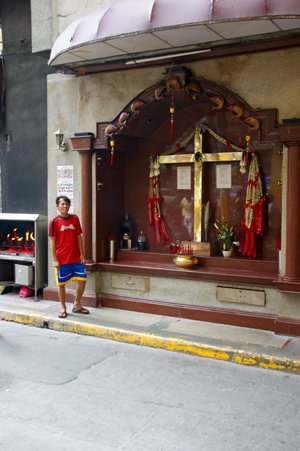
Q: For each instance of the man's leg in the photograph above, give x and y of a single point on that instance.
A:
(79, 292)
(62, 297)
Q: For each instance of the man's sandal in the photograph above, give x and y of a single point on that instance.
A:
(83, 311)
(62, 314)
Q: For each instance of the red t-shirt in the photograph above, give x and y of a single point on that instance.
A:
(66, 230)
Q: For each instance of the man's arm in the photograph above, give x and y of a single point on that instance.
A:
(80, 246)
(53, 252)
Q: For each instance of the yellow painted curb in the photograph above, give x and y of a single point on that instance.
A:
(174, 344)
(171, 344)
(26, 317)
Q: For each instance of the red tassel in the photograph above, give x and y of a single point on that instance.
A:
(151, 213)
(255, 218)
(171, 127)
(260, 212)
(246, 242)
(157, 228)
(111, 158)
(252, 243)
(164, 232)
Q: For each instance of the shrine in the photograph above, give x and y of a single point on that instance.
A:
(174, 151)
(145, 134)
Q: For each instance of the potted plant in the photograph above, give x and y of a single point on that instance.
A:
(228, 236)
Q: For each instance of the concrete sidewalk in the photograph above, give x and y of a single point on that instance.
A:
(235, 344)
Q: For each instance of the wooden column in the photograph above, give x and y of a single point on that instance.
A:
(83, 145)
(290, 135)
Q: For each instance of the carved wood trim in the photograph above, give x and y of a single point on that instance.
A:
(290, 133)
(268, 129)
(82, 143)
(100, 141)
(287, 286)
(222, 275)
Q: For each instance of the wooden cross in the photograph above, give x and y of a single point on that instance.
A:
(198, 158)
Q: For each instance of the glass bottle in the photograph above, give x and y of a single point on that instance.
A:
(141, 241)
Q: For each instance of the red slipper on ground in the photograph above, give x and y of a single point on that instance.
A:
(83, 311)
(62, 314)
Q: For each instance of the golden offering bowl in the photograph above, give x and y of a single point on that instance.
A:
(185, 261)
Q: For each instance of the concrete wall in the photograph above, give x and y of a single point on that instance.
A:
(41, 26)
(273, 83)
(24, 163)
(51, 17)
(264, 80)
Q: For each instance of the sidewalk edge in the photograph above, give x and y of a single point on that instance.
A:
(171, 344)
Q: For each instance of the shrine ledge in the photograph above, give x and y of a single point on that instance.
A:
(245, 346)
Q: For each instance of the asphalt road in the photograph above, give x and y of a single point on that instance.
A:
(62, 391)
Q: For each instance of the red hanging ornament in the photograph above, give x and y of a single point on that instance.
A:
(112, 150)
(248, 137)
(172, 111)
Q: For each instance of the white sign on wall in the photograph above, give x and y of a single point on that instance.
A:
(184, 177)
(65, 183)
(223, 176)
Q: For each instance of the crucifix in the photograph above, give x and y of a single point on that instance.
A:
(199, 158)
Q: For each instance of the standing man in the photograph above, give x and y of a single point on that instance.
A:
(67, 253)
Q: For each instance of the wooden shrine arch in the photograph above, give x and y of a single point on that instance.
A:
(152, 113)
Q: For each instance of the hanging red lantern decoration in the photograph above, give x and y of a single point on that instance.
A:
(172, 111)
(112, 150)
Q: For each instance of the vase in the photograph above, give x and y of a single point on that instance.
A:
(185, 261)
(227, 253)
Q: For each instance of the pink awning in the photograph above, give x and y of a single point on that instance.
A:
(134, 29)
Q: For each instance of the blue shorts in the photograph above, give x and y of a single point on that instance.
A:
(71, 272)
